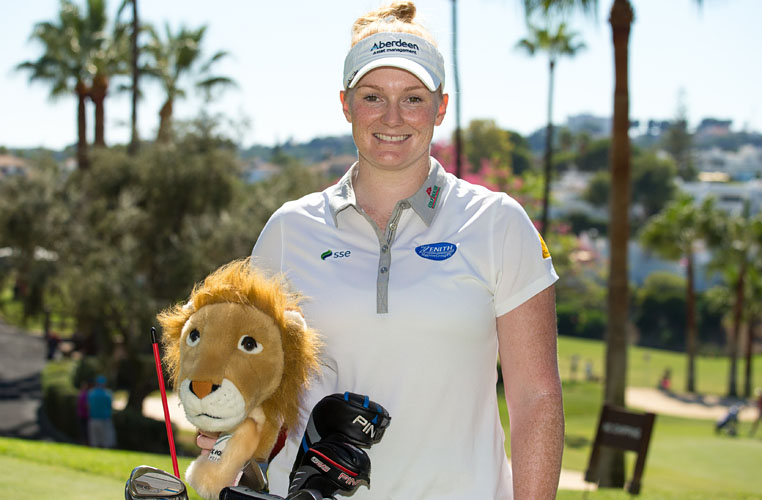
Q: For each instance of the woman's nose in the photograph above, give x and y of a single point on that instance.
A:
(392, 115)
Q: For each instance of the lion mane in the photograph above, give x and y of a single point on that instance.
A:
(240, 283)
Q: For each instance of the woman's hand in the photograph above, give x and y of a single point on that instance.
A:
(205, 441)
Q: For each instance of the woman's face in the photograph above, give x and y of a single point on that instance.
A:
(393, 117)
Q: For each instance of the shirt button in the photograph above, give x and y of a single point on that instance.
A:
(384, 269)
(385, 248)
(392, 226)
(405, 204)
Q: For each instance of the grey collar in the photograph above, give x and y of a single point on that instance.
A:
(424, 202)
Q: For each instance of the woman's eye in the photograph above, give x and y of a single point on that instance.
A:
(414, 99)
(371, 98)
(193, 337)
(249, 345)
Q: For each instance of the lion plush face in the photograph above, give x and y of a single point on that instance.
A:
(239, 348)
(231, 361)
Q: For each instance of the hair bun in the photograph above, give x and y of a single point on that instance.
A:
(404, 11)
(397, 16)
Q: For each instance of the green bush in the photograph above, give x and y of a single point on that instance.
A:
(59, 397)
(660, 311)
(139, 433)
(580, 322)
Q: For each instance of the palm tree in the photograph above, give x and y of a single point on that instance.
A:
(64, 64)
(174, 57)
(674, 234)
(556, 43)
(79, 56)
(135, 73)
(620, 17)
(737, 256)
(110, 53)
(755, 311)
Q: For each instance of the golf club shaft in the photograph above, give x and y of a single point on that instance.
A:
(164, 403)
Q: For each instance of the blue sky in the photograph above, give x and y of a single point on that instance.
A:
(287, 58)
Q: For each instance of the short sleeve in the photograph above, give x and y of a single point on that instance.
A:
(525, 267)
(267, 253)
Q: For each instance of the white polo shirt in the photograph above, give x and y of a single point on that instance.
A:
(407, 315)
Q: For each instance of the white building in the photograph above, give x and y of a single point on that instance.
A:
(730, 196)
(742, 165)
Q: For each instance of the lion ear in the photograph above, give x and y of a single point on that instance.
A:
(189, 306)
(295, 317)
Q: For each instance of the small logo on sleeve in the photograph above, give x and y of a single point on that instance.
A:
(436, 251)
(545, 251)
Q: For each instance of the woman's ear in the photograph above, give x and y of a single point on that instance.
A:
(344, 98)
(442, 109)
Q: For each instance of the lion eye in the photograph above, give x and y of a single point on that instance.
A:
(193, 337)
(249, 345)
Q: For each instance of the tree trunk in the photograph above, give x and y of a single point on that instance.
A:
(548, 154)
(165, 123)
(98, 95)
(736, 332)
(134, 139)
(82, 159)
(690, 323)
(612, 461)
(749, 354)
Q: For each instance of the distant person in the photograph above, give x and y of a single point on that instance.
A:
(589, 373)
(754, 426)
(574, 366)
(729, 423)
(51, 340)
(100, 426)
(665, 383)
(83, 412)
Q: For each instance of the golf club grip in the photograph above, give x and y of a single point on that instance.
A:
(243, 493)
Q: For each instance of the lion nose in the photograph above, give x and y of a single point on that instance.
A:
(202, 389)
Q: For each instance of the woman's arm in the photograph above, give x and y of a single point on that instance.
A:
(529, 361)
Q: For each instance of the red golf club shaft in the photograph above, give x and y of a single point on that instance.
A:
(164, 403)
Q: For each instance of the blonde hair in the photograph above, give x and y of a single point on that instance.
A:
(397, 17)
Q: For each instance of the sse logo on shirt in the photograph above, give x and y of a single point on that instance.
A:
(336, 255)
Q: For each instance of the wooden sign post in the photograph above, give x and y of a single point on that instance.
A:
(625, 430)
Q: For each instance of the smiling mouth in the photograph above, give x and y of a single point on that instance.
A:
(391, 138)
(207, 415)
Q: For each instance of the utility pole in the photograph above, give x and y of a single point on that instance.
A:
(458, 136)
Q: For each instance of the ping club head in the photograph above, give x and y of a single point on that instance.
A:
(150, 483)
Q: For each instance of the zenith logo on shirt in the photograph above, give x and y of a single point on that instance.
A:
(336, 255)
(436, 251)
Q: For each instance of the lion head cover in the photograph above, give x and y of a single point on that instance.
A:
(239, 354)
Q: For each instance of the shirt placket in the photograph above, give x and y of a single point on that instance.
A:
(385, 258)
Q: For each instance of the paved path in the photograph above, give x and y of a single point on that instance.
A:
(22, 358)
(685, 405)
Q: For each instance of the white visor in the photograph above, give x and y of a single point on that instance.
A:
(398, 50)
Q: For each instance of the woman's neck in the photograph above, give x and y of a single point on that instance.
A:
(377, 191)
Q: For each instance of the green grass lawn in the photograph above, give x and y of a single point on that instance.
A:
(686, 460)
(36, 470)
(645, 366)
